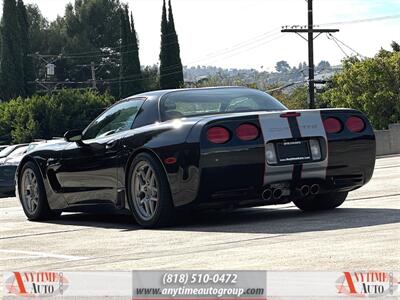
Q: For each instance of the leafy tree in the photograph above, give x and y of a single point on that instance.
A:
(28, 67)
(130, 72)
(292, 99)
(171, 70)
(38, 27)
(11, 61)
(151, 79)
(371, 85)
(282, 66)
(395, 46)
(323, 66)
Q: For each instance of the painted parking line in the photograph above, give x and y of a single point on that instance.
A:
(42, 254)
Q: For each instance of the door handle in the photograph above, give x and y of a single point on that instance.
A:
(111, 144)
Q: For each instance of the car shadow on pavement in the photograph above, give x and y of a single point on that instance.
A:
(123, 221)
(286, 221)
(252, 220)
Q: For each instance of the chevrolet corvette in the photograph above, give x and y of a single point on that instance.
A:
(162, 151)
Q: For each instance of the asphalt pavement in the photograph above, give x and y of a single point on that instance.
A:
(363, 234)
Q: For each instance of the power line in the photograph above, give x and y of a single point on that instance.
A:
(332, 38)
(246, 49)
(382, 18)
(347, 46)
(286, 86)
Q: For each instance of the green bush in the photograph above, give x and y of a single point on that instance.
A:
(371, 86)
(48, 116)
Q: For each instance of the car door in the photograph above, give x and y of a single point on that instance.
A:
(88, 170)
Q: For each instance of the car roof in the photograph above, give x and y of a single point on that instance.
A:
(160, 93)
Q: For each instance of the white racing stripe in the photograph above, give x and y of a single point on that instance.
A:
(274, 127)
(310, 125)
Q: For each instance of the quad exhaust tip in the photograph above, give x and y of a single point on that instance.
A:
(277, 194)
(314, 190)
(305, 190)
(267, 194)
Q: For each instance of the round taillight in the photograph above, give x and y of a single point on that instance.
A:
(218, 135)
(332, 125)
(247, 132)
(355, 124)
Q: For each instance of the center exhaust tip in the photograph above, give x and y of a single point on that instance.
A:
(314, 189)
(267, 194)
(305, 190)
(277, 194)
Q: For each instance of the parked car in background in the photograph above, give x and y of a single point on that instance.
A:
(10, 149)
(9, 164)
(3, 147)
(8, 167)
(15, 153)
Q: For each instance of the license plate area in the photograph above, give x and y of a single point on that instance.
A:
(293, 151)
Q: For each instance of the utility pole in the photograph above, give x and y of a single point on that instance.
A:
(310, 31)
(93, 68)
(311, 84)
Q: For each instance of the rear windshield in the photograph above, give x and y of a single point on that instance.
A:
(216, 101)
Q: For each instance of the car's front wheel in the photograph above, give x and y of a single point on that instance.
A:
(33, 195)
(149, 195)
(321, 202)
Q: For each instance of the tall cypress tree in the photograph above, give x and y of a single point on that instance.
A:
(130, 71)
(164, 51)
(171, 71)
(12, 74)
(175, 52)
(28, 67)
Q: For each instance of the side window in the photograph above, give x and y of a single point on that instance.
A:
(117, 118)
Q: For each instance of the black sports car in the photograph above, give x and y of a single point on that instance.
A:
(216, 147)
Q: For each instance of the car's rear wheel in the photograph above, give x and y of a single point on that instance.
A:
(149, 195)
(33, 195)
(321, 202)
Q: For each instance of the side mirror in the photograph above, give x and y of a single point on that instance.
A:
(74, 136)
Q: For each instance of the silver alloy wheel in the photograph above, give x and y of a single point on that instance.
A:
(145, 190)
(30, 190)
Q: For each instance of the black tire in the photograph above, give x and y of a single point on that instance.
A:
(321, 202)
(42, 211)
(164, 212)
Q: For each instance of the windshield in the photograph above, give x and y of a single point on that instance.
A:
(216, 101)
(117, 118)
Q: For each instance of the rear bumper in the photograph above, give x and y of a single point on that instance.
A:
(237, 177)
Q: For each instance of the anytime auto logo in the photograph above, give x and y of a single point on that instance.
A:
(36, 283)
(367, 284)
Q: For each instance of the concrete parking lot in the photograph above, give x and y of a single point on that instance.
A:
(363, 234)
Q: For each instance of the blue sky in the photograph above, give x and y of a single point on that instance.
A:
(232, 33)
